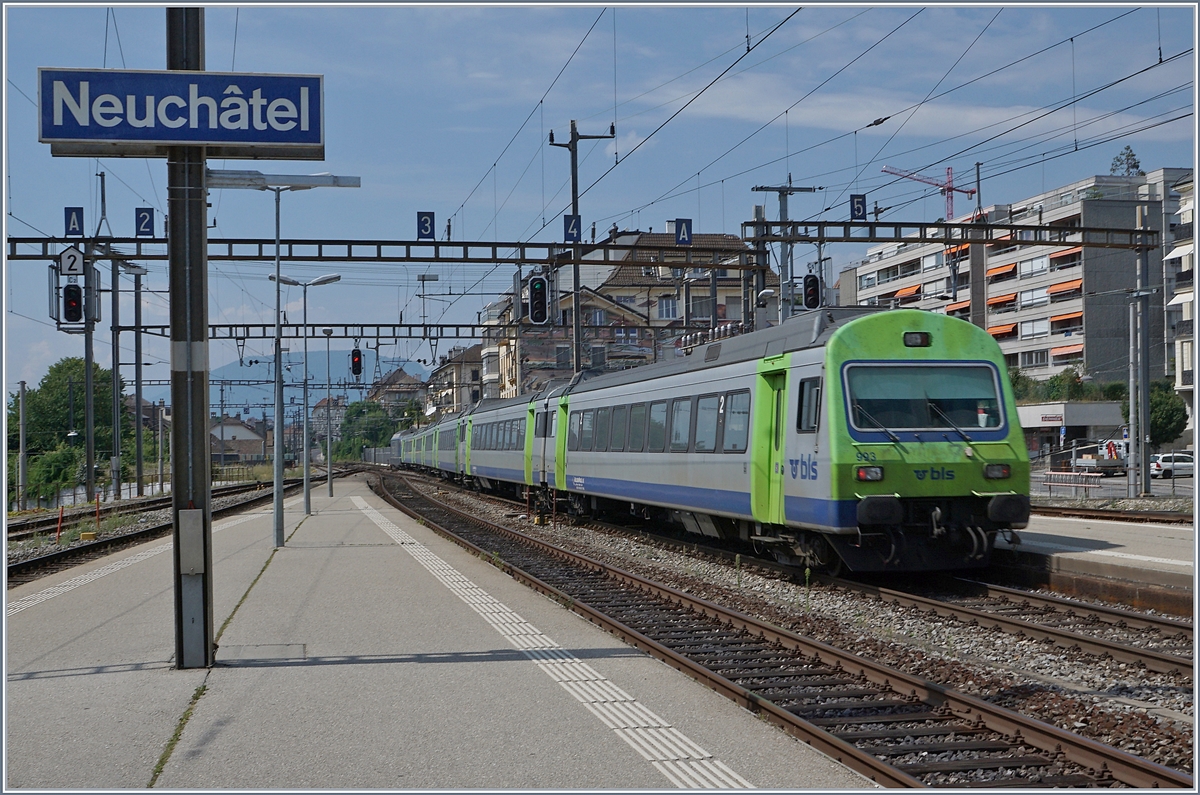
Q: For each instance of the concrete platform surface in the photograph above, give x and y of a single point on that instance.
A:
(367, 653)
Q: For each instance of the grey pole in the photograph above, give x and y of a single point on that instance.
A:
(307, 497)
(576, 320)
(1143, 256)
(23, 460)
(137, 380)
(1131, 464)
(160, 447)
(279, 420)
(328, 415)
(116, 378)
(191, 475)
(91, 299)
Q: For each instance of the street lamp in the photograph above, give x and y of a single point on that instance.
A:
(277, 183)
(326, 279)
(328, 332)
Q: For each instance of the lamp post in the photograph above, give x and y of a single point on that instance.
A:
(277, 183)
(328, 278)
(328, 332)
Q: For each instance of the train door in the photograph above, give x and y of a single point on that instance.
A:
(768, 458)
(529, 441)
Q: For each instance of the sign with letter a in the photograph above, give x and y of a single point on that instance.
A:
(683, 231)
(74, 221)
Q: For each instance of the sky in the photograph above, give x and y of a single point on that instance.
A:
(448, 108)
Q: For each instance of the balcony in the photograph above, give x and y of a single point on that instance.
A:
(1187, 377)
(1183, 279)
(1184, 328)
(1183, 232)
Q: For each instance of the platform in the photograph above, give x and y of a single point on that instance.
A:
(368, 653)
(1141, 564)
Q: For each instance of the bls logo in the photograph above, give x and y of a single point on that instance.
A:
(805, 467)
(937, 473)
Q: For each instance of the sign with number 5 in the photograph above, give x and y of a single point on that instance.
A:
(858, 206)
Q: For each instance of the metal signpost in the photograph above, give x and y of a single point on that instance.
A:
(184, 115)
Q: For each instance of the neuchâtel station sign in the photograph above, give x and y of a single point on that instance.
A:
(109, 112)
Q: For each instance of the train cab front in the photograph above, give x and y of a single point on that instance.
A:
(933, 462)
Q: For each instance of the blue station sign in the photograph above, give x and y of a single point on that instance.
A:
(131, 112)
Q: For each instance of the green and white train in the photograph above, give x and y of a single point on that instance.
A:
(846, 437)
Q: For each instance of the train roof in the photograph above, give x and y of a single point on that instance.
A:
(811, 329)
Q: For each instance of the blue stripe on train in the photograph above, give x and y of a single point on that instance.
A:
(719, 500)
(821, 512)
(499, 473)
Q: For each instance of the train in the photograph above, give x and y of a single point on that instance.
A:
(843, 439)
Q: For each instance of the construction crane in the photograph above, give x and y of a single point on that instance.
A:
(946, 187)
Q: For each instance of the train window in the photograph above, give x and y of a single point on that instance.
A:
(681, 424)
(601, 441)
(553, 424)
(585, 430)
(706, 423)
(737, 423)
(521, 434)
(462, 432)
(619, 416)
(637, 428)
(510, 434)
(573, 431)
(808, 411)
(927, 396)
(657, 434)
(539, 425)
(490, 444)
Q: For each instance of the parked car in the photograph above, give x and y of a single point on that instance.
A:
(1172, 465)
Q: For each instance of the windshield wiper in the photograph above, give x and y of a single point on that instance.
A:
(863, 413)
(949, 421)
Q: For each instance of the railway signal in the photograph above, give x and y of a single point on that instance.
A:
(812, 291)
(72, 298)
(539, 300)
(356, 361)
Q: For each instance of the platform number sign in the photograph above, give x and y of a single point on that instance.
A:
(143, 222)
(858, 206)
(425, 226)
(683, 231)
(70, 262)
(572, 229)
(73, 221)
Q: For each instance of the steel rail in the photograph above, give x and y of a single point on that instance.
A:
(1105, 613)
(1153, 660)
(1096, 756)
(1165, 517)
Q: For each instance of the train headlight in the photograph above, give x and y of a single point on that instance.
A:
(869, 473)
(917, 339)
(997, 471)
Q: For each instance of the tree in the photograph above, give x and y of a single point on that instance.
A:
(1168, 412)
(1126, 164)
(366, 424)
(48, 420)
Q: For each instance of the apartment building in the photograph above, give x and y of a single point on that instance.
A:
(1049, 307)
(1181, 306)
(632, 311)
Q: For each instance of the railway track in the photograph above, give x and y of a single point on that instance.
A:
(1157, 517)
(1132, 638)
(25, 528)
(1154, 643)
(24, 571)
(897, 729)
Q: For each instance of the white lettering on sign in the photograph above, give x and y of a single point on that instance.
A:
(234, 113)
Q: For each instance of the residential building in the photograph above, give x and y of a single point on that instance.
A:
(1181, 306)
(633, 312)
(1049, 307)
(323, 418)
(234, 440)
(396, 389)
(456, 383)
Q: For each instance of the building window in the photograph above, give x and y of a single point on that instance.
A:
(866, 280)
(1036, 297)
(562, 356)
(1032, 267)
(931, 262)
(1035, 358)
(475, 375)
(1032, 329)
(599, 317)
(668, 308)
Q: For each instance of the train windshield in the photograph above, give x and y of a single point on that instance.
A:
(923, 397)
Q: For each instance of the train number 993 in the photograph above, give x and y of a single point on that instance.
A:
(865, 456)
